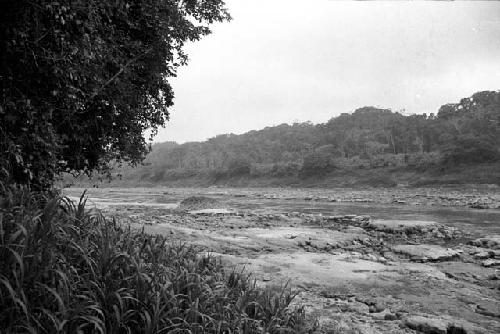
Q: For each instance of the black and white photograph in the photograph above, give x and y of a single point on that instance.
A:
(249, 166)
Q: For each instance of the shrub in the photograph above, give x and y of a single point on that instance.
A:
(238, 167)
(64, 269)
(178, 173)
(280, 169)
(285, 169)
(316, 164)
(387, 160)
(261, 169)
(423, 160)
(468, 149)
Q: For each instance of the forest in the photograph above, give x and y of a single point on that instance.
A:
(81, 81)
(458, 134)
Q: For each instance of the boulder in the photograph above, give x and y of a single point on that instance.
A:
(427, 325)
(492, 242)
(491, 263)
(489, 309)
(384, 315)
(442, 325)
(426, 253)
(483, 255)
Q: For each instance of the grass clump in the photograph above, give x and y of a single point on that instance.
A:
(64, 269)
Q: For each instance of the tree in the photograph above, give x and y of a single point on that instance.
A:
(316, 164)
(81, 80)
(238, 166)
(469, 149)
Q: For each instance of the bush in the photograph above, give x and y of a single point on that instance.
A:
(238, 167)
(387, 160)
(64, 269)
(378, 180)
(316, 164)
(469, 149)
(261, 169)
(282, 169)
(423, 160)
(178, 173)
(285, 169)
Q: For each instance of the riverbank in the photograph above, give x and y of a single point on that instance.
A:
(356, 177)
(409, 267)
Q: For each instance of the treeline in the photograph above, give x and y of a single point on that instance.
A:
(464, 132)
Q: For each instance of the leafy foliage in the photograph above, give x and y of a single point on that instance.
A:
(81, 80)
(467, 149)
(316, 164)
(466, 132)
(475, 131)
(64, 269)
(238, 166)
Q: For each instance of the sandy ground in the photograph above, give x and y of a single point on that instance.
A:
(415, 263)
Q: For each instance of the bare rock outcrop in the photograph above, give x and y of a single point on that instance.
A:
(492, 242)
(426, 253)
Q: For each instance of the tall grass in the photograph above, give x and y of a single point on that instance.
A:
(64, 269)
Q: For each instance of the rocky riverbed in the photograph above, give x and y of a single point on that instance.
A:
(354, 273)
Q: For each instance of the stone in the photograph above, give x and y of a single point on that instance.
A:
(390, 316)
(492, 277)
(359, 308)
(400, 226)
(427, 325)
(376, 308)
(491, 263)
(490, 310)
(483, 255)
(426, 253)
(384, 315)
(379, 315)
(444, 324)
(487, 242)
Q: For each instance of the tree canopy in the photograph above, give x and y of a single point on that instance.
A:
(465, 132)
(81, 80)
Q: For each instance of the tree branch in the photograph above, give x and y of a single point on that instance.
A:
(95, 93)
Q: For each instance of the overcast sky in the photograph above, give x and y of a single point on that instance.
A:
(281, 61)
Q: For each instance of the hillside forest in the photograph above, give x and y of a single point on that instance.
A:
(372, 141)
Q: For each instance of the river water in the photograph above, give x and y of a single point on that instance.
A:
(475, 221)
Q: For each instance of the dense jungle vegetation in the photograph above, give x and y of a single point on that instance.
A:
(80, 81)
(463, 134)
